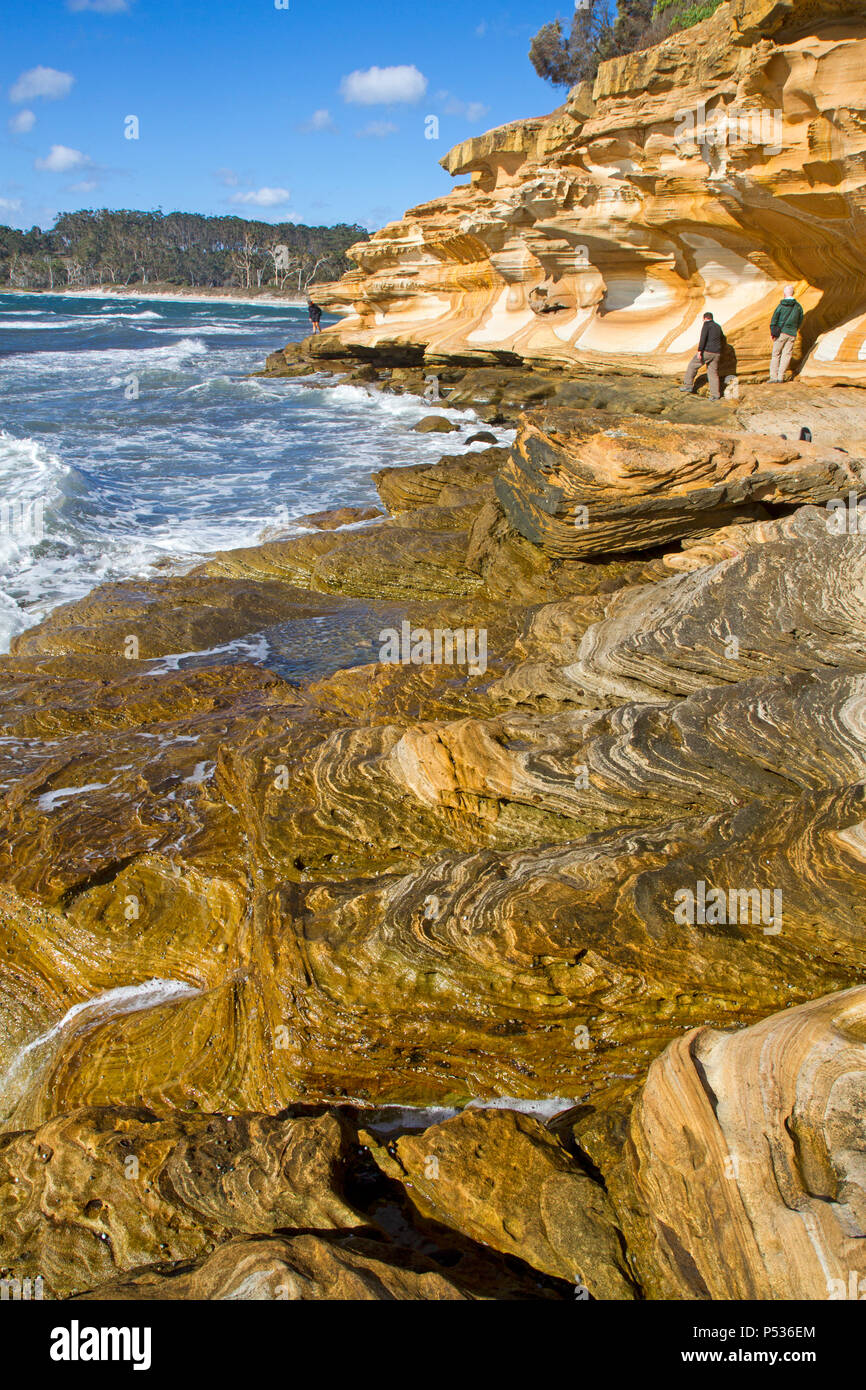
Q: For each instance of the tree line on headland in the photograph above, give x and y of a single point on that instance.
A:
(184, 249)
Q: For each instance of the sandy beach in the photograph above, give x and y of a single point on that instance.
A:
(200, 296)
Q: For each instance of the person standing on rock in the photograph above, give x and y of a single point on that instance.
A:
(708, 355)
(315, 314)
(784, 327)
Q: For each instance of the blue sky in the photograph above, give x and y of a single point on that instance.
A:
(314, 112)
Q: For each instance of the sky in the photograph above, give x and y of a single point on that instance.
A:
(313, 111)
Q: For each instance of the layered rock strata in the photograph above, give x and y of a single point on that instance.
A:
(701, 174)
(282, 869)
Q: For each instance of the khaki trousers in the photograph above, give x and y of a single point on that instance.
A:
(783, 351)
(711, 362)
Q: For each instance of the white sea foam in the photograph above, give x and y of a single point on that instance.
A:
(406, 405)
(50, 800)
(128, 314)
(113, 1003)
(65, 361)
(153, 452)
(254, 649)
(34, 485)
(52, 321)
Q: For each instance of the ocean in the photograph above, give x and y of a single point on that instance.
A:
(134, 442)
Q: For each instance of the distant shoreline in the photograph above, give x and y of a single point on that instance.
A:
(202, 296)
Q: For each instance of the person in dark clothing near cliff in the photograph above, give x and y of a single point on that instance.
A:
(315, 314)
(708, 354)
(784, 327)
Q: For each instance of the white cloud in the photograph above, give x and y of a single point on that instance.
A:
(228, 177)
(320, 120)
(61, 159)
(41, 82)
(470, 110)
(481, 29)
(377, 130)
(85, 186)
(101, 6)
(24, 121)
(384, 86)
(263, 197)
(10, 204)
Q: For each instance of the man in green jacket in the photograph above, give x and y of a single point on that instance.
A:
(784, 328)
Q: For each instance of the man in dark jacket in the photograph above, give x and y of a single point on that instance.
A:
(315, 314)
(784, 327)
(708, 355)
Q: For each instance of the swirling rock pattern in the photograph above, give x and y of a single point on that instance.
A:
(578, 486)
(257, 899)
(743, 1172)
(781, 606)
(340, 937)
(547, 970)
(96, 1193)
(303, 1269)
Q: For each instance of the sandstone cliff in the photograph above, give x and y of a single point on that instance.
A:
(702, 174)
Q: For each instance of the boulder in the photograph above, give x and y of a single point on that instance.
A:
(94, 1194)
(742, 1173)
(504, 1180)
(435, 424)
(579, 486)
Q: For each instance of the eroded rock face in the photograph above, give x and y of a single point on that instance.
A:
(743, 1173)
(474, 1172)
(577, 485)
(787, 605)
(118, 1202)
(702, 174)
(97, 1193)
(303, 1269)
(392, 884)
(257, 898)
(541, 971)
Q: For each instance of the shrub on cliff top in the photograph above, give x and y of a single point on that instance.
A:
(604, 29)
(682, 14)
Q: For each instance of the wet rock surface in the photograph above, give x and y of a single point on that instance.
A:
(411, 883)
(463, 900)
